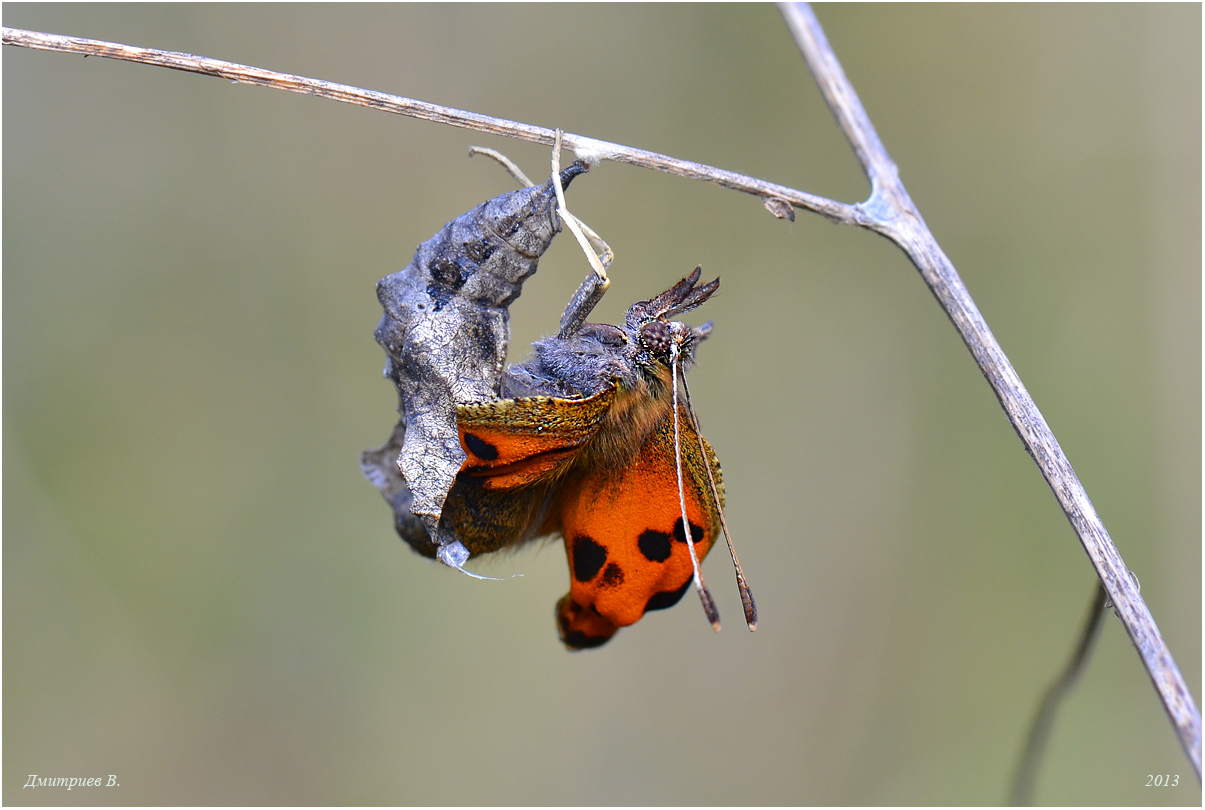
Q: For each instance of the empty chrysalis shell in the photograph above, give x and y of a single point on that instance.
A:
(445, 330)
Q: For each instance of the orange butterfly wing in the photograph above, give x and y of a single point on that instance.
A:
(624, 536)
(622, 525)
(516, 442)
(516, 449)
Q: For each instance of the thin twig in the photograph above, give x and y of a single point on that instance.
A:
(506, 162)
(587, 148)
(1039, 732)
(889, 211)
(895, 217)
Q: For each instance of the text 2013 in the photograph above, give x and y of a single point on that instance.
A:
(1162, 780)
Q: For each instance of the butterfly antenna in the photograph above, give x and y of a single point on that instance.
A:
(713, 615)
(746, 592)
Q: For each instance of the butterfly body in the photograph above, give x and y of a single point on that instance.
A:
(591, 440)
(591, 457)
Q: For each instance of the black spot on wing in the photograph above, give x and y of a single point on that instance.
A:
(588, 558)
(569, 612)
(577, 640)
(654, 545)
(483, 449)
(697, 533)
(665, 599)
(612, 575)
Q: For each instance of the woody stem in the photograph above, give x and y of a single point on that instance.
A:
(399, 105)
(889, 211)
(897, 218)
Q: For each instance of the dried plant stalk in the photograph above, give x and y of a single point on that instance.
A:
(888, 211)
(894, 216)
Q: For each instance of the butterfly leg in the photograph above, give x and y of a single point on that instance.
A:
(582, 304)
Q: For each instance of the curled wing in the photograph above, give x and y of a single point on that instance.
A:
(518, 442)
(625, 537)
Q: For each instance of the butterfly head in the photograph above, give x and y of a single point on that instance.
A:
(660, 342)
(666, 341)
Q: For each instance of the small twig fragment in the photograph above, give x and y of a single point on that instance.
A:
(598, 252)
(780, 208)
(1039, 732)
(506, 162)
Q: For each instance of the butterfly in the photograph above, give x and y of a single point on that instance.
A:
(594, 439)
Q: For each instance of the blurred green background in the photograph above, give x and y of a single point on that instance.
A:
(203, 596)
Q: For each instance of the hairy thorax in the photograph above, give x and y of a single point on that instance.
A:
(635, 413)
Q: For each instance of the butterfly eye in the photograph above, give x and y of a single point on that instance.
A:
(656, 336)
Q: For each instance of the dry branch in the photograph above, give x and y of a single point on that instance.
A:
(1039, 730)
(889, 211)
(897, 218)
(587, 148)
